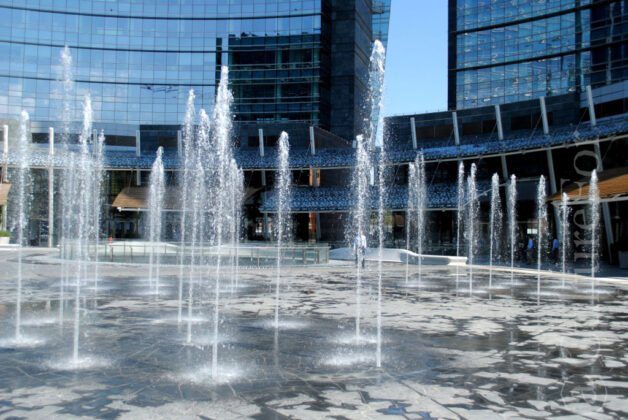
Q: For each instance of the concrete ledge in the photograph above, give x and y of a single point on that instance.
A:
(397, 255)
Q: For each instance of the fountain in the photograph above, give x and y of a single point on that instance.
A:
(185, 182)
(198, 197)
(594, 209)
(236, 205)
(282, 226)
(99, 174)
(359, 217)
(155, 210)
(410, 211)
(565, 230)
(374, 134)
(82, 178)
(421, 203)
(223, 168)
(512, 224)
(495, 225)
(459, 215)
(472, 222)
(199, 206)
(67, 117)
(541, 217)
(20, 212)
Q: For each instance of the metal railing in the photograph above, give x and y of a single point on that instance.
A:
(248, 254)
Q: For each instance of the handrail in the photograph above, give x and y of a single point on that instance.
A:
(262, 253)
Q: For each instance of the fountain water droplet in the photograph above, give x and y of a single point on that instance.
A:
(512, 223)
(156, 194)
(541, 218)
(282, 226)
(594, 210)
(495, 225)
(473, 207)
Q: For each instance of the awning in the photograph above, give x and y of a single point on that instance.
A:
(136, 198)
(612, 184)
(4, 193)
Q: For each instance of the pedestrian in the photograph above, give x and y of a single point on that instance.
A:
(555, 246)
(359, 249)
(530, 250)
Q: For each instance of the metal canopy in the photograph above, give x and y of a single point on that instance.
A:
(612, 184)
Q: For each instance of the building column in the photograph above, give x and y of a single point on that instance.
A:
(498, 120)
(504, 167)
(179, 144)
(606, 212)
(454, 118)
(138, 152)
(5, 169)
(262, 152)
(544, 115)
(312, 141)
(260, 136)
(592, 117)
(51, 184)
(553, 186)
(138, 144)
(315, 216)
(413, 132)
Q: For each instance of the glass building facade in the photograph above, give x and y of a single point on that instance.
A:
(381, 18)
(503, 51)
(139, 58)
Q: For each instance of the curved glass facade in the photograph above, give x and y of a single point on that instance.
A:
(505, 51)
(138, 59)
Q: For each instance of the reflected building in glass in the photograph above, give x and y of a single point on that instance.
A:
(503, 51)
(139, 59)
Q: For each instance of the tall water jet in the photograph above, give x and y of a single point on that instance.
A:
(381, 192)
(83, 191)
(472, 222)
(282, 225)
(155, 210)
(356, 231)
(512, 223)
(594, 209)
(198, 197)
(565, 232)
(185, 182)
(495, 224)
(21, 209)
(79, 213)
(374, 134)
(66, 117)
(203, 158)
(459, 215)
(99, 175)
(222, 193)
(410, 211)
(199, 204)
(236, 203)
(541, 218)
(421, 204)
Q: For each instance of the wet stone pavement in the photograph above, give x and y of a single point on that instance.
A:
(447, 353)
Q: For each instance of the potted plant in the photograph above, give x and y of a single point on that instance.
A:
(622, 252)
(4, 237)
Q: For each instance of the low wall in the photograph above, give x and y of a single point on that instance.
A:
(396, 255)
(261, 254)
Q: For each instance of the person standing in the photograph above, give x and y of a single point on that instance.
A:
(530, 249)
(555, 247)
(359, 249)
